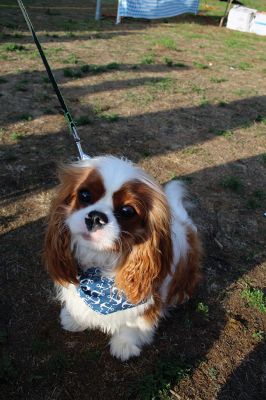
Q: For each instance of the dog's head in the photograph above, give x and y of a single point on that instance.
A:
(108, 211)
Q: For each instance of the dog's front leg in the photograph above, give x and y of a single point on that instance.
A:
(129, 339)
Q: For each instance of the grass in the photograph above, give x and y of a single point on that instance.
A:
(167, 43)
(7, 370)
(39, 346)
(261, 119)
(112, 66)
(218, 80)
(263, 158)
(168, 61)
(204, 102)
(168, 371)
(161, 84)
(225, 133)
(203, 309)
(3, 336)
(255, 298)
(180, 65)
(96, 69)
(143, 99)
(98, 109)
(16, 135)
(222, 103)
(10, 47)
(256, 199)
(109, 117)
(213, 372)
(83, 120)
(70, 73)
(148, 59)
(21, 87)
(26, 117)
(235, 43)
(244, 66)
(232, 183)
(244, 92)
(197, 89)
(56, 364)
(200, 65)
(190, 150)
(71, 59)
(93, 355)
(258, 335)
(162, 114)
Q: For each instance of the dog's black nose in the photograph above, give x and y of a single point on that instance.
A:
(96, 220)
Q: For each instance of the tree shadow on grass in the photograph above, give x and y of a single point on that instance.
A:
(30, 162)
(43, 359)
(80, 17)
(69, 18)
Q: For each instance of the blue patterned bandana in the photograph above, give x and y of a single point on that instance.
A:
(100, 293)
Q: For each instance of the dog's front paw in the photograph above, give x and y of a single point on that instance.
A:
(68, 322)
(123, 349)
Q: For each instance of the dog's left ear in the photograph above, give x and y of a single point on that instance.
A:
(149, 262)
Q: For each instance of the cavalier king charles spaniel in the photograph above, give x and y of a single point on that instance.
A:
(121, 250)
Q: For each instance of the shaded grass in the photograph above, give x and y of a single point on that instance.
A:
(170, 370)
(12, 47)
(161, 84)
(232, 183)
(83, 120)
(203, 309)
(92, 69)
(8, 371)
(70, 73)
(263, 158)
(256, 199)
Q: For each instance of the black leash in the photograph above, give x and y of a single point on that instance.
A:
(67, 114)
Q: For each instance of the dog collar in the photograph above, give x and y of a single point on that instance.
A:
(101, 294)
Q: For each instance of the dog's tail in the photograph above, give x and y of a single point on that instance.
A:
(176, 195)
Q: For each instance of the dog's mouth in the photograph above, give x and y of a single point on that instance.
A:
(86, 236)
(97, 236)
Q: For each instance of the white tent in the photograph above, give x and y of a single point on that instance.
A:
(151, 9)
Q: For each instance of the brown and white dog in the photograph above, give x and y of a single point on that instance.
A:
(110, 215)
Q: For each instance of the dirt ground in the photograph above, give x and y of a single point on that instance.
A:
(183, 99)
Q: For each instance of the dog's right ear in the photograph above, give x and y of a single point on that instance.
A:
(58, 257)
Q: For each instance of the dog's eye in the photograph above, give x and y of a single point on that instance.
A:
(127, 211)
(85, 196)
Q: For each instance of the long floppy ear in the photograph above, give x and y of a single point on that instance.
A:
(187, 274)
(57, 252)
(149, 262)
